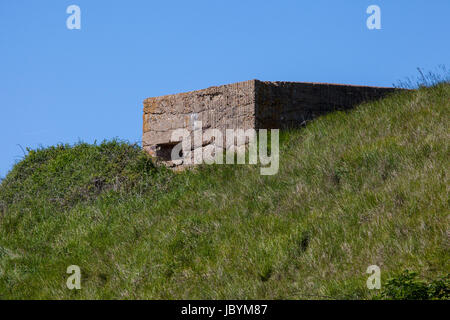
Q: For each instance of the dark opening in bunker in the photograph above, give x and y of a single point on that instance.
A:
(164, 151)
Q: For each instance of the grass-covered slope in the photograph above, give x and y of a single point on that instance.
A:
(354, 189)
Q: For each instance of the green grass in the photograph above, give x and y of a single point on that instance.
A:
(364, 187)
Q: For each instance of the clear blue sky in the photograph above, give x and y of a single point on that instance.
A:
(59, 85)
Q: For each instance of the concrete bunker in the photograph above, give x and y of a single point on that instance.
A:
(244, 105)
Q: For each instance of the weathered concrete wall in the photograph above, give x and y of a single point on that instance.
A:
(289, 104)
(244, 105)
(227, 106)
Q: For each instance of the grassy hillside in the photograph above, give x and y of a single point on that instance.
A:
(354, 189)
